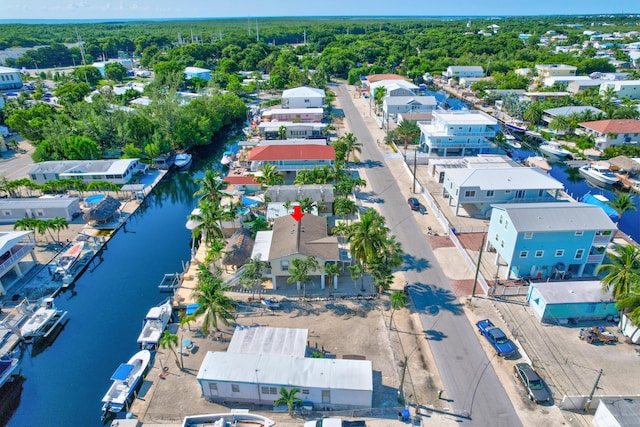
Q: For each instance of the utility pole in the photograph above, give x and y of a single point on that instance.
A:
(475, 280)
(593, 390)
(415, 162)
(401, 388)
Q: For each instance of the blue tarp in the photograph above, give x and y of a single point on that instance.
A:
(246, 201)
(191, 308)
(592, 200)
(122, 372)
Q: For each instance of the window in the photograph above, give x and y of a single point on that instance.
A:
(540, 193)
(284, 265)
(305, 391)
(506, 225)
(520, 194)
(579, 254)
(39, 212)
(469, 193)
(326, 396)
(268, 390)
(502, 243)
(235, 388)
(528, 235)
(539, 254)
(490, 193)
(524, 254)
(213, 389)
(501, 219)
(579, 233)
(6, 213)
(560, 252)
(497, 237)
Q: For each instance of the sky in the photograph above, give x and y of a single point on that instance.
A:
(134, 9)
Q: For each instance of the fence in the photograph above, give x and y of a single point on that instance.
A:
(504, 291)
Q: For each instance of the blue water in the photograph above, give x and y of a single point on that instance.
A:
(576, 186)
(92, 200)
(66, 381)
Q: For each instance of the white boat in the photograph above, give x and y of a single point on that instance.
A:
(555, 151)
(515, 126)
(182, 160)
(599, 173)
(42, 320)
(511, 141)
(155, 322)
(125, 380)
(228, 420)
(270, 303)
(227, 158)
(9, 363)
(66, 262)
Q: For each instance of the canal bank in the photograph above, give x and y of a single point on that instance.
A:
(64, 383)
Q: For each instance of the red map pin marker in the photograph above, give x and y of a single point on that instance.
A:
(297, 215)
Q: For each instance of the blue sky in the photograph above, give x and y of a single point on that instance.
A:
(113, 9)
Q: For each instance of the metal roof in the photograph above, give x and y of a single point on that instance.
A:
(509, 178)
(41, 202)
(572, 292)
(464, 118)
(268, 340)
(287, 371)
(573, 109)
(9, 239)
(403, 100)
(556, 216)
(303, 91)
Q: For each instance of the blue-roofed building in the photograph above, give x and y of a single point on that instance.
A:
(549, 240)
(201, 73)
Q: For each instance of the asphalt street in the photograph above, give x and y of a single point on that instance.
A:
(471, 385)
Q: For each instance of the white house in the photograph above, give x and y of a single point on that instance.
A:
(10, 78)
(201, 73)
(578, 86)
(464, 71)
(476, 190)
(608, 133)
(118, 171)
(458, 133)
(394, 87)
(394, 105)
(14, 247)
(553, 70)
(303, 97)
(548, 115)
(622, 88)
(564, 80)
(271, 130)
(296, 115)
(617, 412)
(12, 210)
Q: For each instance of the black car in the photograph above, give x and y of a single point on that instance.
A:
(532, 382)
(414, 204)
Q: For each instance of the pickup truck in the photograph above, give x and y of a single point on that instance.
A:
(335, 422)
(497, 338)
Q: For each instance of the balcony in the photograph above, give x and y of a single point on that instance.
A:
(15, 257)
(601, 239)
(595, 258)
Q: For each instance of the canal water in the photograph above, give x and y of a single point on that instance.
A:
(576, 186)
(65, 382)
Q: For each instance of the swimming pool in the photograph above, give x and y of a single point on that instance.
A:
(93, 200)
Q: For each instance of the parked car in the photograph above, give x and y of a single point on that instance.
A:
(497, 338)
(414, 204)
(532, 382)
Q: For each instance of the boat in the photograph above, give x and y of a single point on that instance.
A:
(66, 262)
(599, 173)
(227, 158)
(125, 381)
(515, 126)
(511, 141)
(555, 151)
(9, 363)
(270, 303)
(234, 419)
(603, 202)
(182, 160)
(43, 320)
(154, 324)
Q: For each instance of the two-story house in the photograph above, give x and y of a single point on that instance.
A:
(555, 70)
(272, 130)
(461, 71)
(551, 113)
(303, 97)
(458, 133)
(623, 89)
(296, 115)
(608, 133)
(292, 157)
(549, 240)
(394, 105)
(15, 246)
(475, 190)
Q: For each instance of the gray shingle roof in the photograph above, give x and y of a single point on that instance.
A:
(307, 237)
(558, 216)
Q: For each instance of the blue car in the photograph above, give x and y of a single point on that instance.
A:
(414, 204)
(497, 338)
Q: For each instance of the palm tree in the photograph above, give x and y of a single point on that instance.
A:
(282, 132)
(559, 123)
(252, 275)
(211, 187)
(186, 320)
(623, 271)
(355, 271)
(407, 131)
(209, 220)
(212, 301)
(345, 207)
(629, 304)
(352, 145)
(367, 238)
(58, 224)
(622, 203)
(300, 271)
(398, 300)
(332, 270)
(170, 341)
(270, 175)
(289, 398)
(378, 94)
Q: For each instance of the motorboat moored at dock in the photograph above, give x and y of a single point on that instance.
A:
(9, 364)
(182, 160)
(600, 174)
(227, 158)
(125, 381)
(43, 320)
(233, 419)
(155, 322)
(66, 262)
(555, 151)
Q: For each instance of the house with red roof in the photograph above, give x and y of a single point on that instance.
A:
(292, 157)
(242, 182)
(608, 133)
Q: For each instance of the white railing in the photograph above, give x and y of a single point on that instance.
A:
(15, 257)
(602, 239)
(595, 258)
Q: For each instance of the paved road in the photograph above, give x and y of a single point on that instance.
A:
(469, 380)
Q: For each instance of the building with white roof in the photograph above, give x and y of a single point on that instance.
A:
(46, 207)
(118, 171)
(458, 133)
(260, 361)
(549, 240)
(622, 88)
(394, 105)
(563, 80)
(303, 115)
(548, 115)
(554, 70)
(461, 71)
(202, 73)
(10, 78)
(271, 130)
(303, 97)
(394, 87)
(477, 189)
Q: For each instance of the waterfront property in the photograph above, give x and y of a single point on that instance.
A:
(463, 71)
(271, 130)
(292, 157)
(10, 78)
(15, 246)
(458, 133)
(543, 96)
(578, 86)
(550, 114)
(243, 182)
(289, 240)
(42, 208)
(549, 240)
(303, 97)
(298, 115)
(394, 87)
(394, 105)
(260, 361)
(564, 80)
(201, 73)
(476, 190)
(622, 88)
(579, 301)
(321, 193)
(608, 133)
(118, 171)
